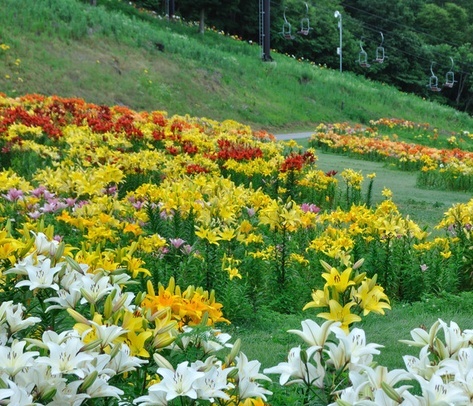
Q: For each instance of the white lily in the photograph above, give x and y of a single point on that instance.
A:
(251, 389)
(420, 366)
(454, 337)
(180, 382)
(13, 359)
(66, 358)
(14, 317)
(357, 352)
(154, 398)
(313, 334)
(44, 245)
(249, 369)
(93, 290)
(436, 392)
(300, 371)
(100, 388)
(213, 384)
(123, 362)
(41, 276)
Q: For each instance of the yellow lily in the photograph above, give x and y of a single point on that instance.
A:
(341, 314)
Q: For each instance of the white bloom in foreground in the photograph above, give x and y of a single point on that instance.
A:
(6, 393)
(101, 389)
(66, 358)
(66, 299)
(356, 351)
(436, 392)
(122, 361)
(13, 359)
(154, 398)
(251, 389)
(13, 315)
(92, 291)
(248, 373)
(420, 366)
(67, 395)
(41, 276)
(213, 384)
(298, 370)
(455, 339)
(180, 382)
(44, 245)
(313, 334)
(20, 395)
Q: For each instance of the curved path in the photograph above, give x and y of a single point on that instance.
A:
(423, 205)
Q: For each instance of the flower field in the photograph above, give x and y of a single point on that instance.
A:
(128, 240)
(447, 168)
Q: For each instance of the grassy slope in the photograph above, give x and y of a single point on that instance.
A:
(201, 75)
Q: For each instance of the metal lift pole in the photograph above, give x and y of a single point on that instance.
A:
(265, 30)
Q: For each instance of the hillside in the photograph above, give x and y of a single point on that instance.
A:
(71, 49)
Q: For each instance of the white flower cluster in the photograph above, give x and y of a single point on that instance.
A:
(343, 373)
(58, 369)
(207, 379)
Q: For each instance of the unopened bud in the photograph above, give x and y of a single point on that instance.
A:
(78, 317)
(90, 346)
(303, 355)
(233, 353)
(391, 392)
(162, 362)
(88, 381)
(48, 395)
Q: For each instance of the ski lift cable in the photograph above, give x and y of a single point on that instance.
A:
(436, 54)
(377, 29)
(402, 25)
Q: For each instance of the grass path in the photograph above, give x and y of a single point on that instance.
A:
(424, 206)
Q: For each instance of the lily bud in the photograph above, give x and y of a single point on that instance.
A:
(303, 355)
(74, 265)
(161, 342)
(358, 263)
(391, 392)
(169, 326)
(78, 317)
(90, 346)
(88, 381)
(108, 307)
(115, 350)
(233, 353)
(162, 362)
(48, 395)
(59, 251)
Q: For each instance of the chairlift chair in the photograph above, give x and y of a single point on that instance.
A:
(380, 51)
(363, 57)
(450, 77)
(286, 28)
(433, 81)
(305, 23)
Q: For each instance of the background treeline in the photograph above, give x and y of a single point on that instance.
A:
(421, 37)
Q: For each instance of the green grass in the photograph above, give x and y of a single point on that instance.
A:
(266, 338)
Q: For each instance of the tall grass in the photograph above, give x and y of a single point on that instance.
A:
(109, 55)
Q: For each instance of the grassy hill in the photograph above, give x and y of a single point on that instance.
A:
(105, 56)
